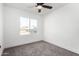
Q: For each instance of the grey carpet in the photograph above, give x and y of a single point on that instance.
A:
(40, 48)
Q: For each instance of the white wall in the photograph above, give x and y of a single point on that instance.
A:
(11, 28)
(1, 28)
(62, 27)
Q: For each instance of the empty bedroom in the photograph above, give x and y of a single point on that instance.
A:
(39, 29)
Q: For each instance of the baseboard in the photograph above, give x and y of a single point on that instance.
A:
(24, 44)
(61, 46)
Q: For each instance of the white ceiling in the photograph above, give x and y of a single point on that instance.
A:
(30, 7)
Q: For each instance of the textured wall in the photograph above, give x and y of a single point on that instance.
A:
(62, 27)
(12, 26)
(1, 27)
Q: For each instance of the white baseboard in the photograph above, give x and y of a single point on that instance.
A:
(61, 46)
(22, 44)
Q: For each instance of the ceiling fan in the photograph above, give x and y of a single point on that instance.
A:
(42, 5)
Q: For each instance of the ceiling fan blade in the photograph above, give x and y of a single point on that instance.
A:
(48, 7)
(40, 3)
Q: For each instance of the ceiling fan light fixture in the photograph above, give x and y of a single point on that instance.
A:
(39, 7)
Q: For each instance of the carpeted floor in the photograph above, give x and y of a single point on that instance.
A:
(40, 48)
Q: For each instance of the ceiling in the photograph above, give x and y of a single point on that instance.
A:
(30, 7)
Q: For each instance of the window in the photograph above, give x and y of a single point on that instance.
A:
(27, 25)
